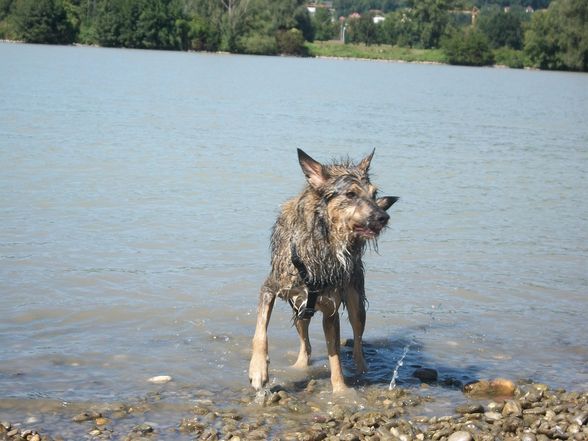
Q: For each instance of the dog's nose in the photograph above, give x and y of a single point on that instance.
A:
(383, 218)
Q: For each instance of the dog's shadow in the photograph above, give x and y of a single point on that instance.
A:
(403, 362)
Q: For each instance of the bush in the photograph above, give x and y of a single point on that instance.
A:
(510, 57)
(291, 42)
(469, 48)
(257, 44)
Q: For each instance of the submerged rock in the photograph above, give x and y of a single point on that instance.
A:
(426, 375)
(499, 387)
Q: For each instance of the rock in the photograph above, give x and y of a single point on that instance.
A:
(492, 416)
(511, 424)
(528, 436)
(581, 419)
(499, 387)
(469, 408)
(512, 407)
(461, 435)
(160, 379)
(86, 416)
(426, 375)
(143, 428)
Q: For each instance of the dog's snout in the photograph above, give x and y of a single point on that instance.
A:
(383, 217)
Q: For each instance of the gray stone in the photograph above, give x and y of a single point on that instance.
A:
(469, 408)
(512, 407)
(581, 419)
(461, 435)
(492, 416)
(528, 437)
(426, 375)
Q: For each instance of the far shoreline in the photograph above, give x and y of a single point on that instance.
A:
(397, 60)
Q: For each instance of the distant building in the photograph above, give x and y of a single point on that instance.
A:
(312, 7)
(378, 18)
(529, 9)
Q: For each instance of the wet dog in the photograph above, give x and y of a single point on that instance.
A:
(317, 245)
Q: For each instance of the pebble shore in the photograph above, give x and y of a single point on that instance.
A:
(525, 412)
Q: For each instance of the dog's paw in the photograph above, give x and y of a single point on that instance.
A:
(258, 375)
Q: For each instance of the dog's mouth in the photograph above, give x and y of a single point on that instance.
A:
(366, 232)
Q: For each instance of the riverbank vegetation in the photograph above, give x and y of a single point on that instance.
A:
(546, 34)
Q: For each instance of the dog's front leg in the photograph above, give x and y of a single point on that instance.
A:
(305, 349)
(333, 338)
(258, 367)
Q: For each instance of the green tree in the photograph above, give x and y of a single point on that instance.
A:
(362, 30)
(502, 28)
(43, 21)
(324, 27)
(430, 18)
(233, 22)
(110, 23)
(5, 8)
(156, 25)
(468, 48)
(400, 29)
(558, 37)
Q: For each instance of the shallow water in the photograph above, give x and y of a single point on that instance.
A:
(138, 189)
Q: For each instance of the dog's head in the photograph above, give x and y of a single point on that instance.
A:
(352, 204)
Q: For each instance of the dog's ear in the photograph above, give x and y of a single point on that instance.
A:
(364, 165)
(386, 202)
(313, 170)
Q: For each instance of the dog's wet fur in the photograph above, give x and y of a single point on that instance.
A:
(327, 226)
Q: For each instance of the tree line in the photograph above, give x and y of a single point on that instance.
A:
(243, 26)
(555, 37)
(548, 35)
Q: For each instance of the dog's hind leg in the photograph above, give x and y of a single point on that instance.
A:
(356, 311)
(258, 367)
(304, 354)
(333, 338)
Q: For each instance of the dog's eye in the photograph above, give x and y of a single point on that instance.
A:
(351, 195)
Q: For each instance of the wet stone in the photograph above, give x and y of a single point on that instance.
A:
(461, 435)
(143, 428)
(469, 408)
(512, 407)
(86, 416)
(581, 419)
(492, 416)
(426, 375)
(498, 387)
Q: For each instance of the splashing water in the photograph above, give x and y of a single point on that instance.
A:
(399, 364)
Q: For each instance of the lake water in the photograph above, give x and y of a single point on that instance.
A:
(138, 189)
